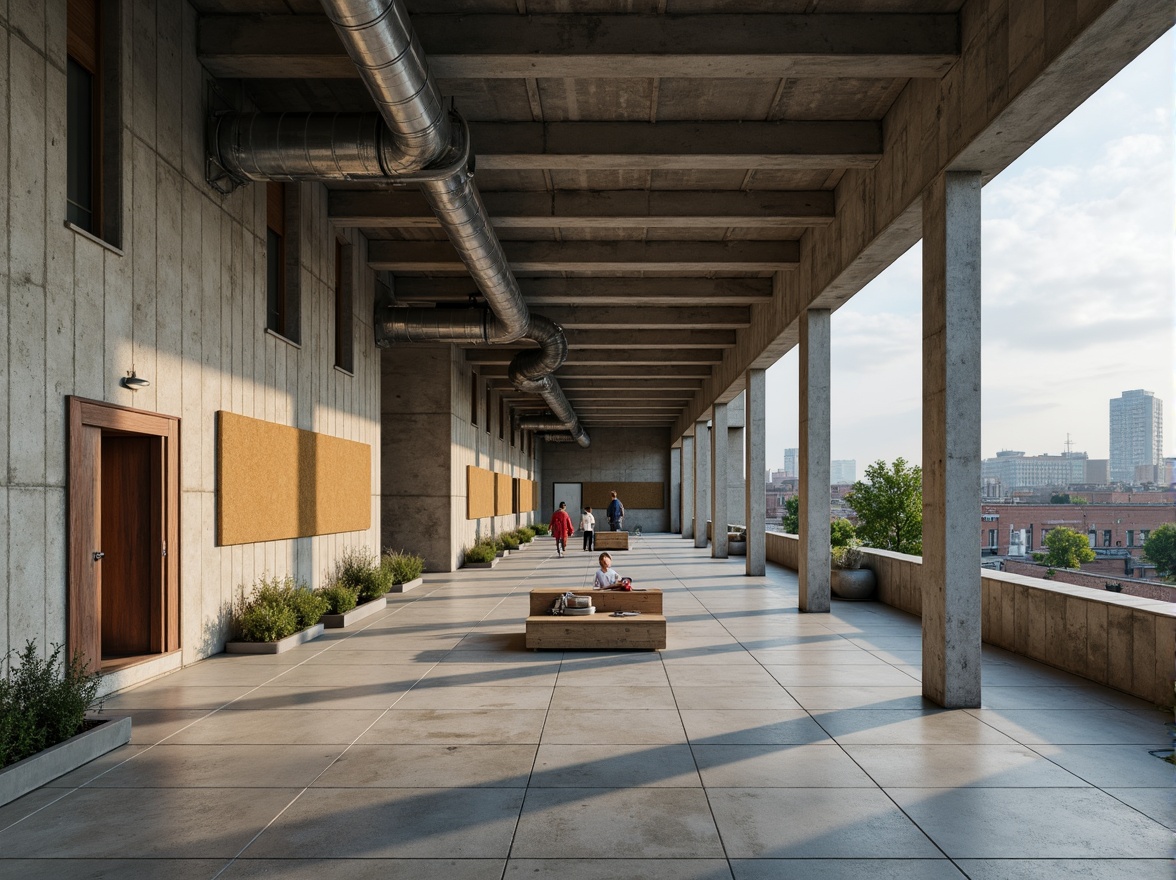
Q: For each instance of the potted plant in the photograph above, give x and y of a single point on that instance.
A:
(46, 729)
(358, 571)
(541, 529)
(483, 554)
(847, 579)
(736, 540)
(280, 613)
(405, 569)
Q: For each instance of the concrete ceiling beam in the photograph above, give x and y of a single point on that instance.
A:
(599, 146)
(606, 357)
(605, 372)
(596, 256)
(603, 209)
(652, 318)
(630, 338)
(601, 46)
(599, 291)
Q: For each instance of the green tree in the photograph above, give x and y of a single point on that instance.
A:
(791, 522)
(1059, 498)
(1160, 549)
(1065, 548)
(841, 532)
(889, 506)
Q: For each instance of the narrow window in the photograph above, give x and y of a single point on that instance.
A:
(275, 257)
(92, 124)
(344, 330)
(1106, 537)
(488, 410)
(1131, 537)
(474, 399)
(501, 418)
(1143, 533)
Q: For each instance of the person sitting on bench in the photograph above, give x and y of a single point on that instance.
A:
(606, 577)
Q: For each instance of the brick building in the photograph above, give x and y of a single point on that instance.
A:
(1109, 527)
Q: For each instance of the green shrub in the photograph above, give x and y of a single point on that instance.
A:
(848, 555)
(404, 567)
(340, 599)
(277, 607)
(542, 529)
(359, 569)
(42, 702)
(526, 534)
(841, 532)
(483, 551)
(509, 541)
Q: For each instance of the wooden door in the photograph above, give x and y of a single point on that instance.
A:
(131, 547)
(124, 533)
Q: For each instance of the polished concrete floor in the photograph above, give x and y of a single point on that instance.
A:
(427, 743)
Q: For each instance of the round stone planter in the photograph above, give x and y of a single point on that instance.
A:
(854, 585)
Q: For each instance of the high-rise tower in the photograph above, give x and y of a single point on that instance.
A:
(1137, 433)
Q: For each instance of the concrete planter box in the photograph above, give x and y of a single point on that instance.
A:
(489, 564)
(279, 647)
(336, 621)
(406, 586)
(34, 771)
(854, 585)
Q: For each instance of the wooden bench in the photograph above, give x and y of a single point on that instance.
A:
(611, 540)
(599, 630)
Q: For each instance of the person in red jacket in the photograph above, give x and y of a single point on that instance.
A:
(561, 528)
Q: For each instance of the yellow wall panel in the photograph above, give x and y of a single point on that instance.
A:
(480, 496)
(276, 482)
(638, 496)
(503, 495)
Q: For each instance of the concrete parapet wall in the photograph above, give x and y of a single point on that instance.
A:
(1125, 642)
(1095, 580)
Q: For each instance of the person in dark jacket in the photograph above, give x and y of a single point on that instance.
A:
(561, 528)
(616, 512)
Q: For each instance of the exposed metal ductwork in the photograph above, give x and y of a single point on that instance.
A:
(413, 139)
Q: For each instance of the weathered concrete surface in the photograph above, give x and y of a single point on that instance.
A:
(755, 508)
(702, 481)
(22, 777)
(951, 439)
(676, 489)
(720, 480)
(687, 449)
(814, 460)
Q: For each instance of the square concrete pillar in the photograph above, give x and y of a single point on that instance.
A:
(756, 502)
(951, 439)
(719, 478)
(701, 481)
(813, 485)
(676, 489)
(687, 487)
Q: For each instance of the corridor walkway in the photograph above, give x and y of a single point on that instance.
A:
(428, 744)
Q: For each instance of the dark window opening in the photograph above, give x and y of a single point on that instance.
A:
(344, 316)
(474, 399)
(92, 121)
(1106, 537)
(281, 261)
(488, 410)
(501, 419)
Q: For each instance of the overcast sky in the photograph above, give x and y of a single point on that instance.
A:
(1079, 301)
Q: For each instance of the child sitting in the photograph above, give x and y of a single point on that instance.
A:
(606, 577)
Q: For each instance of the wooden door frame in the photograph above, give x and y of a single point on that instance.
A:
(82, 607)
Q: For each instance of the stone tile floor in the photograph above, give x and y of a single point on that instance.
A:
(763, 743)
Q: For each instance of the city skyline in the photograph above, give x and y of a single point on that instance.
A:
(1078, 300)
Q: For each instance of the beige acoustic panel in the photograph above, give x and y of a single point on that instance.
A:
(479, 492)
(524, 495)
(503, 495)
(635, 496)
(276, 482)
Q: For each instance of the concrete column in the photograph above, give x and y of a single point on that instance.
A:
(755, 508)
(701, 481)
(813, 485)
(951, 439)
(736, 482)
(719, 481)
(676, 489)
(687, 487)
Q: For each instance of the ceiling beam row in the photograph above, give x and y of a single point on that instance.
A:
(598, 291)
(602, 46)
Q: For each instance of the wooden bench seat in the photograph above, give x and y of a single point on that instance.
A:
(599, 630)
(611, 540)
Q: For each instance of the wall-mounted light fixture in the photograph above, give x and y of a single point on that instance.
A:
(133, 382)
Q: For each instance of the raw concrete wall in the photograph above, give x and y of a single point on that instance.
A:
(428, 442)
(474, 445)
(621, 454)
(183, 300)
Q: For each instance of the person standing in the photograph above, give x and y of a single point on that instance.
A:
(588, 527)
(616, 512)
(561, 528)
